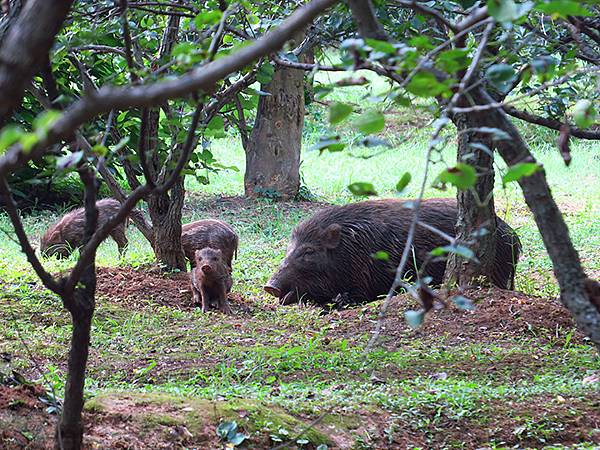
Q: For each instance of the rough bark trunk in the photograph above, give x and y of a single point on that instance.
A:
(166, 215)
(273, 151)
(475, 209)
(165, 209)
(578, 293)
(80, 304)
(69, 433)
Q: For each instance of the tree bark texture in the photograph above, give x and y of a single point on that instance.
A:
(165, 209)
(579, 294)
(475, 209)
(80, 304)
(166, 215)
(273, 151)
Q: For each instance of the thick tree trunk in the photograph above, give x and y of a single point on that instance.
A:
(475, 209)
(166, 215)
(578, 293)
(273, 151)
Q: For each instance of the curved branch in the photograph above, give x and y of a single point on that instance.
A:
(201, 79)
(13, 214)
(550, 123)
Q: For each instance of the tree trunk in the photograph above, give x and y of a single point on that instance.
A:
(80, 304)
(273, 151)
(166, 215)
(578, 293)
(69, 433)
(165, 209)
(475, 209)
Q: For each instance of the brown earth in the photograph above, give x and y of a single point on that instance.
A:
(500, 316)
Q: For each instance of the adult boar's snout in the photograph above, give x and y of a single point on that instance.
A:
(273, 290)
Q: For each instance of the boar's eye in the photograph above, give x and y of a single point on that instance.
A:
(308, 251)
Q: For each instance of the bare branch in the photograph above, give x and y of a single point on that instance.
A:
(13, 214)
(419, 7)
(551, 123)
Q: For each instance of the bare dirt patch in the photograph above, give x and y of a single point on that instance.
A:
(498, 315)
(137, 287)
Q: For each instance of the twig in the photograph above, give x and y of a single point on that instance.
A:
(13, 214)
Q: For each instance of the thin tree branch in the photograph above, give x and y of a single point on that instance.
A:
(13, 214)
(200, 79)
(551, 123)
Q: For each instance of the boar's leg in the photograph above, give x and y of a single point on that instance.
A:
(118, 234)
(223, 303)
(196, 295)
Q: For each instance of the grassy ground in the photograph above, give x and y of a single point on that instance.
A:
(276, 370)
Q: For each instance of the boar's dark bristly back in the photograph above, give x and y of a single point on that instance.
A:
(347, 270)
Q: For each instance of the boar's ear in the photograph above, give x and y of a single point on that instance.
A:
(331, 235)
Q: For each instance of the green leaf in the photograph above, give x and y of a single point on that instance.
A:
(563, 8)
(332, 143)
(519, 171)
(11, 134)
(452, 61)
(208, 18)
(216, 127)
(44, 122)
(463, 176)
(501, 76)
(338, 112)
(225, 428)
(381, 256)
(265, 73)
(404, 180)
(28, 140)
(425, 84)
(370, 122)
(99, 150)
(584, 113)
(414, 318)
(460, 250)
(381, 46)
(463, 303)
(362, 189)
(69, 161)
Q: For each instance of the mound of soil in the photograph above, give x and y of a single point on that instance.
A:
(24, 422)
(137, 287)
(498, 315)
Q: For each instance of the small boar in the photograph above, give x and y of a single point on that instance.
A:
(211, 280)
(209, 233)
(62, 238)
(329, 258)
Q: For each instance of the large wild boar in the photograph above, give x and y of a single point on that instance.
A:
(211, 280)
(329, 258)
(209, 233)
(67, 234)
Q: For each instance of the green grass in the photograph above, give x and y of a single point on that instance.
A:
(295, 358)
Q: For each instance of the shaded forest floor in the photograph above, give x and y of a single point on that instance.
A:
(511, 373)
